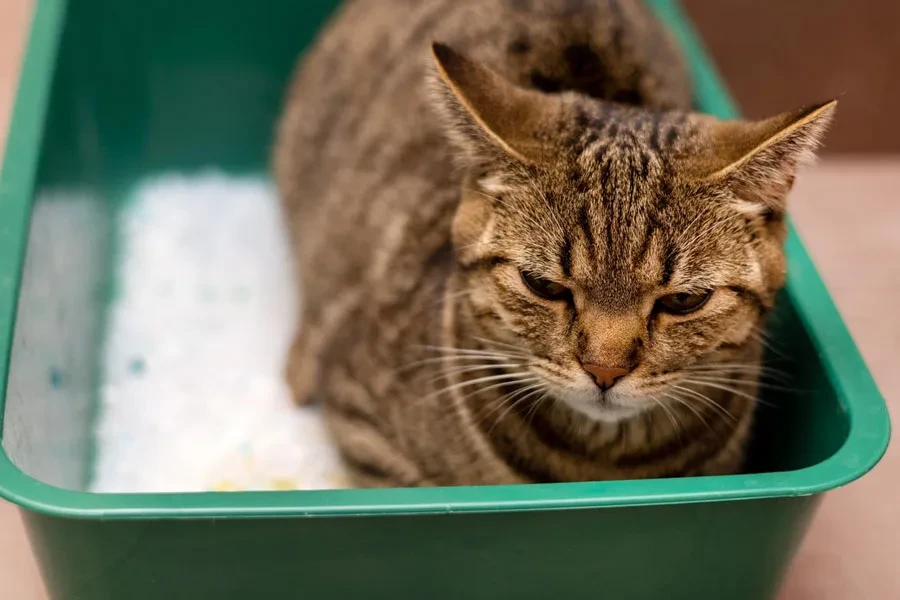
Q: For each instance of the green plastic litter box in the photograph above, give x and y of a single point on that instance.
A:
(112, 91)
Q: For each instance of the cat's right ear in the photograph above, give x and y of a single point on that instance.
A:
(487, 116)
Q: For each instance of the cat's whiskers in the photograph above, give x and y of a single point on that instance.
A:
(680, 239)
(706, 400)
(676, 426)
(739, 369)
(485, 195)
(447, 351)
(468, 360)
(501, 345)
(689, 406)
(760, 335)
(499, 403)
(470, 393)
(460, 360)
(529, 416)
(724, 379)
(473, 368)
(536, 389)
(696, 236)
(508, 378)
(538, 193)
(730, 390)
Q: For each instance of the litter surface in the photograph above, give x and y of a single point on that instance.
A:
(193, 397)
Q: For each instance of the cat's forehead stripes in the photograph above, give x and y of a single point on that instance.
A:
(614, 215)
(617, 187)
(597, 125)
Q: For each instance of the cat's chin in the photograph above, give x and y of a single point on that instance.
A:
(606, 413)
(609, 409)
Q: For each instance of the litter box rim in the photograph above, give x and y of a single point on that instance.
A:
(866, 441)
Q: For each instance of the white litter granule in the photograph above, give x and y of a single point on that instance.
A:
(204, 311)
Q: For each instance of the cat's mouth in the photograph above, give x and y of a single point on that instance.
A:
(613, 405)
(624, 400)
(608, 413)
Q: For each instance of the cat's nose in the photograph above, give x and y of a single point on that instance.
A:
(606, 377)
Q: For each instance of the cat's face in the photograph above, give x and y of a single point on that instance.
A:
(615, 253)
(614, 276)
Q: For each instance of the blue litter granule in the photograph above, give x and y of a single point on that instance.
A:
(136, 366)
(56, 377)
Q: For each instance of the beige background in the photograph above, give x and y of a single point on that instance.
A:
(847, 212)
(780, 54)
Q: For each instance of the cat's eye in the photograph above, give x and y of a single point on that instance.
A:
(544, 288)
(683, 303)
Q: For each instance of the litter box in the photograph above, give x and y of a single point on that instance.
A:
(112, 91)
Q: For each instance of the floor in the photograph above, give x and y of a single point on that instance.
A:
(848, 554)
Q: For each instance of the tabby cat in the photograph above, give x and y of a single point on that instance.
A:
(524, 259)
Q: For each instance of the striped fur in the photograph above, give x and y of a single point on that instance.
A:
(553, 137)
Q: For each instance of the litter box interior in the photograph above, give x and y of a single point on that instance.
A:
(189, 88)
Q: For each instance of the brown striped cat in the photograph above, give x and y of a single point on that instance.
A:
(523, 258)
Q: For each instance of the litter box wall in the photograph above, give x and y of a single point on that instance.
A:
(114, 91)
(52, 383)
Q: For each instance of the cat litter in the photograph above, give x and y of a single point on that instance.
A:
(193, 397)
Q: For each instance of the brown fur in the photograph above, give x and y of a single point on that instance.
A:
(552, 137)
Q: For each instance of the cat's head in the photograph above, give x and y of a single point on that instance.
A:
(618, 248)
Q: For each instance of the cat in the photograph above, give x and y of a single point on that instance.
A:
(524, 258)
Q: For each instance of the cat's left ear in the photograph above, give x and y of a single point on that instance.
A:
(758, 160)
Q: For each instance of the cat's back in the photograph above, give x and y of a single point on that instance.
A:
(361, 162)
(364, 171)
(358, 106)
